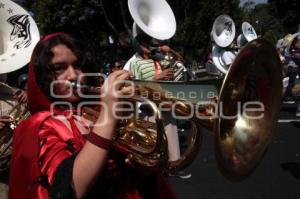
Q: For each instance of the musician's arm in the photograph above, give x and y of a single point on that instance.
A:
(90, 161)
(20, 95)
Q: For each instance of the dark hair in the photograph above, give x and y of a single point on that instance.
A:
(43, 55)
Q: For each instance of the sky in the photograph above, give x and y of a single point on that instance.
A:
(256, 1)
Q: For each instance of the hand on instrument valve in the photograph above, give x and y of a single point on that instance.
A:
(20, 95)
(111, 92)
(167, 49)
(165, 74)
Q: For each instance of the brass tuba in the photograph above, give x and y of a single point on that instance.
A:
(242, 118)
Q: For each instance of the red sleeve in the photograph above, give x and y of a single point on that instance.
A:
(54, 140)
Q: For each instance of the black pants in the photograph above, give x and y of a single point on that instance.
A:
(292, 73)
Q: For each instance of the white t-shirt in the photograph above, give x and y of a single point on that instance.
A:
(127, 65)
(228, 57)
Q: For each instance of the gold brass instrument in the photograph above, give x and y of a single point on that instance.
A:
(242, 119)
(240, 141)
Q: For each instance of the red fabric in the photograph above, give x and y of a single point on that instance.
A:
(39, 146)
(45, 149)
(36, 100)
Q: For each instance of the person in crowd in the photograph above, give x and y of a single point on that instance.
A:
(146, 66)
(59, 154)
(116, 65)
(211, 67)
(292, 63)
(228, 57)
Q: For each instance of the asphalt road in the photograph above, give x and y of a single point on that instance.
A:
(276, 177)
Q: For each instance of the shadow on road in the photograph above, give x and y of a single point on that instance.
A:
(293, 168)
(296, 124)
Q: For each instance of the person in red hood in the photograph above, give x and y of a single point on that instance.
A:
(51, 158)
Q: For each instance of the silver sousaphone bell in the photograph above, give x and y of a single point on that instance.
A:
(18, 36)
(248, 34)
(155, 18)
(222, 34)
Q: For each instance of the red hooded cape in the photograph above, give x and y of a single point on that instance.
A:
(39, 146)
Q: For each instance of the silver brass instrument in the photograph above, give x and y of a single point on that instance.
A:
(18, 36)
(157, 20)
(222, 34)
(248, 34)
(168, 61)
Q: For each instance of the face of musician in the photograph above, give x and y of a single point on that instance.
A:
(296, 50)
(58, 60)
(66, 69)
(297, 45)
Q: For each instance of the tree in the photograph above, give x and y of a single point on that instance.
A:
(263, 21)
(287, 12)
(195, 20)
(91, 20)
(95, 20)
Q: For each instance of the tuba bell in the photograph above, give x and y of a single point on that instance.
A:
(18, 36)
(155, 18)
(248, 34)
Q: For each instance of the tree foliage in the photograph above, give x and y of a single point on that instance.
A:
(91, 20)
(287, 11)
(195, 20)
(95, 20)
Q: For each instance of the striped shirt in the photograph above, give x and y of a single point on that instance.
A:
(143, 69)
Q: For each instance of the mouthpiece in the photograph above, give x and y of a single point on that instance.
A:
(85, 88)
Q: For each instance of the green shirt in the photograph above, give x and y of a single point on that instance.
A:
(143, 69)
